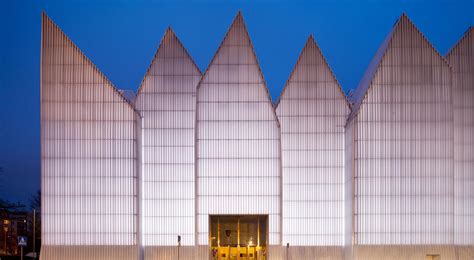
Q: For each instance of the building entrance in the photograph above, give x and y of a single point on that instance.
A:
(241, 237)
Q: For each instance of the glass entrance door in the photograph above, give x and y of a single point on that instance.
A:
(241, 237)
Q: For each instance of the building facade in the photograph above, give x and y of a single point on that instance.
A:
(461, 58)
(205, 166)
(312, 111)
(402, 154)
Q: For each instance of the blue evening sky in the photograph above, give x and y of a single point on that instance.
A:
(121, 37)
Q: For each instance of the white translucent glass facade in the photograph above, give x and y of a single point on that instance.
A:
(403, 145)
(390, 176)
(89, 153)
(238, 139)
(167, 102)
(349, 188)
(312, 111)
(461, 59)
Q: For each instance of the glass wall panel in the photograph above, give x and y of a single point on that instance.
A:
(89, 153)
(312, 111)
(461, 59)
(403, 145)
(238, 146)
(167, 102)
(349, 173)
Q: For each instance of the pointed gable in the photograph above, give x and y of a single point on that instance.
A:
(235, 62)
(461, 54)
(237, 137)
(89, 153)
(402, 138)
(461, 58)
(78, 72)
(312, 111)
(167, 102)
(397, 50)
(171, 61)
(311, 78)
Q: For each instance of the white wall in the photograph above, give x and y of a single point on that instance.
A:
(88, 150)
(215, 149)
(404, 146)
(349, 188)
(461, 59)
(238, 145)
(167, 102)
(312, 111)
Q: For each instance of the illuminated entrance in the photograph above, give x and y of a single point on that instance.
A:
(238, 237)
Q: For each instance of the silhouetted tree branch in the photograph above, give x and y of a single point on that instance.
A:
(35, 200)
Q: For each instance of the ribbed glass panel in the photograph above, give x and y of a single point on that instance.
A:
(312, 111)
(167, 102)
(349, 188)
(461, 58)
(88, 151)
(404, 146)
(238, 142)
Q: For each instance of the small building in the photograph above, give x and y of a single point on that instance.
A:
(13, 224)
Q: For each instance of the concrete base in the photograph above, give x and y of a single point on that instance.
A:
(89, 252)
(393, 252)
(418, 252)
(171, 252)
(305, 252)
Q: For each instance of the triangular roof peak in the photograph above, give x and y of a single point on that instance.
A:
(169, 34)
(468, 33)
(168, 37)
(237, 24)
(309, 41)
(238, 19)
(238, 15)
(310, 44)
(236, 29)
(404, 18)
(47, 21)
(361, 91)
(169, 30)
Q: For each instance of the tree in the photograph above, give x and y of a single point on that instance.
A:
(35, 201)
(7, 206)
(1, 179)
